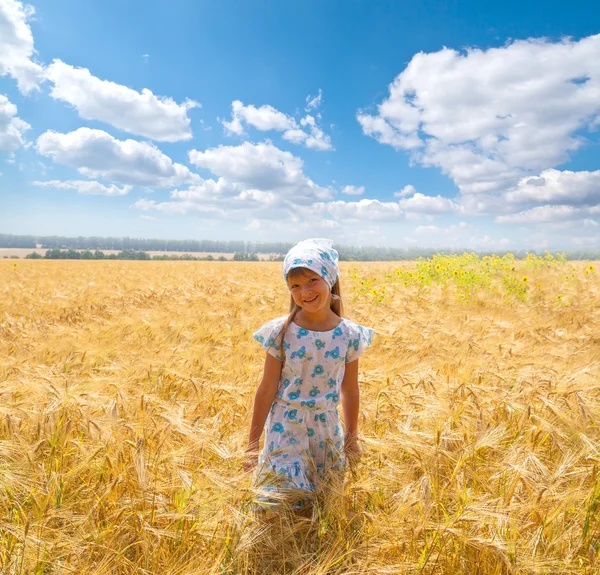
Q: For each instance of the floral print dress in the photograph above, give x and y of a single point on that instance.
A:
(304, 437)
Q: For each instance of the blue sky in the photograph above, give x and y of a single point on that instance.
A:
(433, 124)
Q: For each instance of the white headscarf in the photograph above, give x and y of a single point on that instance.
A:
(317, 255)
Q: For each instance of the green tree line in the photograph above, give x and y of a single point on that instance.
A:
(57, 254)
(347, 253)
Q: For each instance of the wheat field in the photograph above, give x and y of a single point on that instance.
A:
(126, 392)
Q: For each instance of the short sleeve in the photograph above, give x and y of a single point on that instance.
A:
(269, 337)
(360, 338)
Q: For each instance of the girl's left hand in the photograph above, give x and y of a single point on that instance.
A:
(353, 450)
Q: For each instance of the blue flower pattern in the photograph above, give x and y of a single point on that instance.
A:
(300, 353)
(334, 353)
(314, 391)
(318, 370)
(303, 431)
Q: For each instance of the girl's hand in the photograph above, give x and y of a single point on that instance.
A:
(352, 449)
(251, 460)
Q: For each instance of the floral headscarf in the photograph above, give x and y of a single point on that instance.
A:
(315, 254)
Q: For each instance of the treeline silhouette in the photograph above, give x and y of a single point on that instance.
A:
(134, 247)
(57, 254)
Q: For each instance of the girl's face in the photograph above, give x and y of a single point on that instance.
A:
(309, 290)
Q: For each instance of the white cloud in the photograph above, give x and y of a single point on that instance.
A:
(96, 154)
(541, 214)
(557, 187)
(379, 129)
(85, 187)
(488, 118)
(141, 113)
(261, 167)
(318, 140)
(16, 45)
(295, 135)
(12, 128)
(453, 228)
(353, 190)
(363, 210)
(312, 103)
(257, 181)
(405, 192)
(428, 204)
(267, 118)
(264, 118)
(179, 208)
(426, 229)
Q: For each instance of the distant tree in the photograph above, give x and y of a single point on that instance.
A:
(34, 256)
(245, 257)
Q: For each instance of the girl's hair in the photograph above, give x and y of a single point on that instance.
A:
(335, 305)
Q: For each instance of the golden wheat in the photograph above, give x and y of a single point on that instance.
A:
(125, 397)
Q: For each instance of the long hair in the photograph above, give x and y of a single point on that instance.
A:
(335, 305)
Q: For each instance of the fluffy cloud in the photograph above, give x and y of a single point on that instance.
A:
(264, 118)
(16, 45)
(488, 118)
(405, 192)
(257, 181)
(261, 167)
(96, 154)
(141, 113)
(353, 190)
(12, 128)
(267, 118)
(85, 187)
(317, 139)
(541, 214)
(428, 204)
(558, 187)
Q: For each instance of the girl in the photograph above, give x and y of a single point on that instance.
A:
(311, 364)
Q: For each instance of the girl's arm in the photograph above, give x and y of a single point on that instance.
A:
(265, 394)
(350, 407)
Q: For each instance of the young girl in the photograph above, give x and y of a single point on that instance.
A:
(311, 364)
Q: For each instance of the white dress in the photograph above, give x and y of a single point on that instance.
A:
(304, 437)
